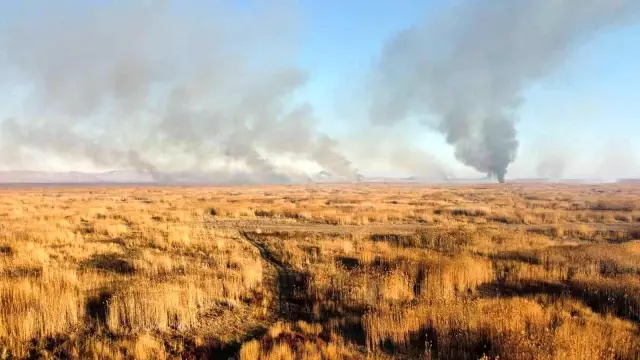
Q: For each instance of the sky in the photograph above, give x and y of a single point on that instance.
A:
(585, 114)
(588, 106)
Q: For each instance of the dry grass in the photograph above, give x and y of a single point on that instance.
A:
(301, 341)
(321, 272)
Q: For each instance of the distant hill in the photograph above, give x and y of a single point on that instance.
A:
(224, 178)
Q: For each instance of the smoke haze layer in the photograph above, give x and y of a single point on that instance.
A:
(463, 74)
(212, 87)
(147, 86)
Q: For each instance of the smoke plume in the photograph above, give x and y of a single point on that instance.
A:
(419, 163)
(552, 167)
(464, 74)
(158, 87)
(616, 159)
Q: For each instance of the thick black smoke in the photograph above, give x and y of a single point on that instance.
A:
(158, 87)
(463, 74)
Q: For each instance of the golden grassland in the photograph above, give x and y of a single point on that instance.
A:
(516, 271)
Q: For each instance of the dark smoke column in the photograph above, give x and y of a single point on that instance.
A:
(500, 138)
(463, 73)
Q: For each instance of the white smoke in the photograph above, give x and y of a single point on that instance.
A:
(151, 86)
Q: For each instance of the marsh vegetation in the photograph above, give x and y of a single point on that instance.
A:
(535, 271)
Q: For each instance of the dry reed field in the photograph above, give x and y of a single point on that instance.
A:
(515, 271)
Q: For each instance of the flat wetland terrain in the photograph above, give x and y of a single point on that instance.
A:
(515, 271)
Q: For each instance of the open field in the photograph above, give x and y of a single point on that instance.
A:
(516, 271)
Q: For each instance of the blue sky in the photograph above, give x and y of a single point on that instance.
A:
(587, 107)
